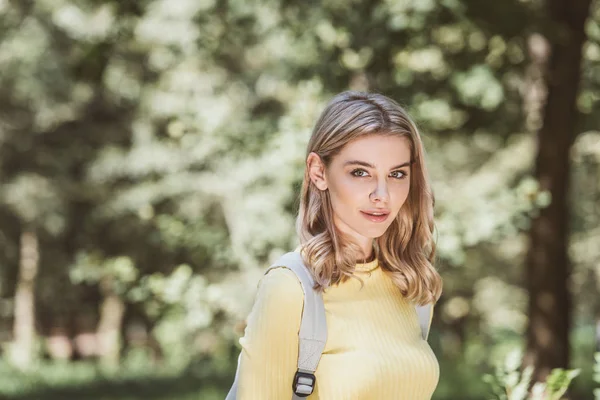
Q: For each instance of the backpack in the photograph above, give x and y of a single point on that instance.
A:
(313, 329)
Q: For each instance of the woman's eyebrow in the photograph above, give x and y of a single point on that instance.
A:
(368, 165)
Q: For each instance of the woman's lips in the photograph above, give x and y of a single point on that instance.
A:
(375, 218)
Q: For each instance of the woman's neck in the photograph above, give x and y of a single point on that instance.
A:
(368, 259)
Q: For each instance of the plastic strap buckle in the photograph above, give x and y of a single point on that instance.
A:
(304, 383)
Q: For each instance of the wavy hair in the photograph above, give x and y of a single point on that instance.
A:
(406, 251)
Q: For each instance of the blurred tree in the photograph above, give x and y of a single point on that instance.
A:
(23, 349)
(153, 134)
(548, 265)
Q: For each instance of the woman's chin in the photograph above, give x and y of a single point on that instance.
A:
(373, 233)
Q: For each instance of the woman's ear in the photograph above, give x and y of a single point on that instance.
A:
(316, 171)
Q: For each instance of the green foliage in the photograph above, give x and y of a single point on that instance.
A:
(479, 87)
(181, 295)
(118, 272)
(86, 380)
(597, 375)
(509, 383)
(157, 148)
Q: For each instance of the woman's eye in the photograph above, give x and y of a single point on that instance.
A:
(359, 173)
(398, 174)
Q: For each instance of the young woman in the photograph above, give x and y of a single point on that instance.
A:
(365, 227)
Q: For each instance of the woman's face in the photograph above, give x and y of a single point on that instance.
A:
(368, 182)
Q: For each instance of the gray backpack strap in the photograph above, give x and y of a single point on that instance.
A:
(313, 327)
(232, 394)
(424, 315)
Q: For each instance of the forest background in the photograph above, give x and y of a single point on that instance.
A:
(151, 154)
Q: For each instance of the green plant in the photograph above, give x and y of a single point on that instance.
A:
(509, 383)
(597, 375)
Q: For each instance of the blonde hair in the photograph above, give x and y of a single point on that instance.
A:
(406, 251)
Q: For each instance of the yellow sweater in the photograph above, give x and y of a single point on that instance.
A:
(374, 347)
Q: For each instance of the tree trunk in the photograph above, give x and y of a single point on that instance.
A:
(548, 267)
(22, 350)
(109, 326)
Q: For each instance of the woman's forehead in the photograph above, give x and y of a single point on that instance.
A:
(377, 150)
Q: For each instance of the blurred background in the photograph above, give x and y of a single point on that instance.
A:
(151, 154)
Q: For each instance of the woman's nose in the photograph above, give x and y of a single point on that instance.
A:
(380, 193)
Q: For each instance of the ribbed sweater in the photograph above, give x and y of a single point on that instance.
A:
(374, 347)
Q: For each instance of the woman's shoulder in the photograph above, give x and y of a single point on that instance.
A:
(281, 284)
(276, 313)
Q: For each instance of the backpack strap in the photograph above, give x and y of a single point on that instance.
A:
(425, 314)
(313, 326)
